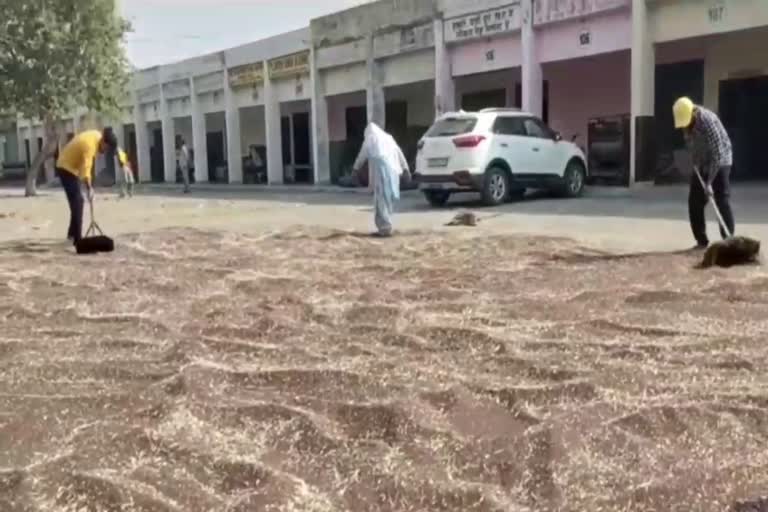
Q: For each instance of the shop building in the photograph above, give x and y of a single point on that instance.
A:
(293, 108)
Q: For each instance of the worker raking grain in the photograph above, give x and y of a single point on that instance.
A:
(712, 154)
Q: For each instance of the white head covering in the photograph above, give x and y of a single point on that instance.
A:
(382, 146)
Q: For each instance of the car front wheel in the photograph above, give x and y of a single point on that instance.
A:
(495, 187)
(574, 179)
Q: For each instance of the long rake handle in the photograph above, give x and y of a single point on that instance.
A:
(93, 227)
(711, 200)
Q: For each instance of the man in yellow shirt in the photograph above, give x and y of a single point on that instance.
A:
(75, 165)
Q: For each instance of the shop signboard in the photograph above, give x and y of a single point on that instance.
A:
(289, 66)
(501, 20)
(248, 75)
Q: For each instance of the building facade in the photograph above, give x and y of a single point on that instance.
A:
(604, 73)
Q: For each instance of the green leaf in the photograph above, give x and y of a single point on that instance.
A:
(56, 55)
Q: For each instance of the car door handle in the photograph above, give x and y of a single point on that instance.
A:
(536, 150)
(505, 145)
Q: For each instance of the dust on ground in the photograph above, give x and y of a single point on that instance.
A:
(311, 370)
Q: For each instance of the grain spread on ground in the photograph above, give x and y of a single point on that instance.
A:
(315, 371)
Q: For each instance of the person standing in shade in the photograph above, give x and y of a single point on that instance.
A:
(127, 179)
(386, 164)
(713, 156)
(75, 165)
(182, 156)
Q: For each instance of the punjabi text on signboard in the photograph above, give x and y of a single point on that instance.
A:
(248, 75)
(290, 65)
(484, 24)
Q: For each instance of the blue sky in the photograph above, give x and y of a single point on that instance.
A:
(170, 30)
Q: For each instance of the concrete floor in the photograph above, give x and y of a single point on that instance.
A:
(643, 219)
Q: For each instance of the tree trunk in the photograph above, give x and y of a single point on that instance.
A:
(51, 129)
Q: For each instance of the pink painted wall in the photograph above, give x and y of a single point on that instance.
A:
(609, 32)
(584, 88)
(471, 57)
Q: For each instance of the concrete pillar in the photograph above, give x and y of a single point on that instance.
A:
(169, 139)
(445, 87)
(273, 127)
(199, 135)
(321, 154)
(142, 142)
(234, 144)
(643, 147)
(375, 100)
(532, 76)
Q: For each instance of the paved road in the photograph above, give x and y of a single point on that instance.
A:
(651, 218)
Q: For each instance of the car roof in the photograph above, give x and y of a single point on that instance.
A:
(488, 111)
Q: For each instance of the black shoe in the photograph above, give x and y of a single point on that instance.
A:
(699, 247)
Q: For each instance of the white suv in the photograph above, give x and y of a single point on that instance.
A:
(499, 153)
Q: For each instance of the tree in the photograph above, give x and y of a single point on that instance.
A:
(56, 55)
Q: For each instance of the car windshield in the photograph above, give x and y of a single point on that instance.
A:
(451, 126)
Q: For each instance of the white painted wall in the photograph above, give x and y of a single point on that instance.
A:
(408, 68)
(179, 107)
(212, 102)
(344, 79)
(292, 89)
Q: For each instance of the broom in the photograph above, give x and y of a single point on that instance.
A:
(94, 240)
(734, 250)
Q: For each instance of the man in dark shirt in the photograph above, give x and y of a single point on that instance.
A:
(713, 156)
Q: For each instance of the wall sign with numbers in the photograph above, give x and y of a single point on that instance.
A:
(484, 24)
(716, 11)
(585, 38)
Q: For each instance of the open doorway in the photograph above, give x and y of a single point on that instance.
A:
(475, 101)
(673, 81)
(217, 172)
(302, 148)
(743, 109)
(157, 163)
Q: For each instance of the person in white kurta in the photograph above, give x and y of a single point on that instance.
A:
(182, 156)
(386, 163)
